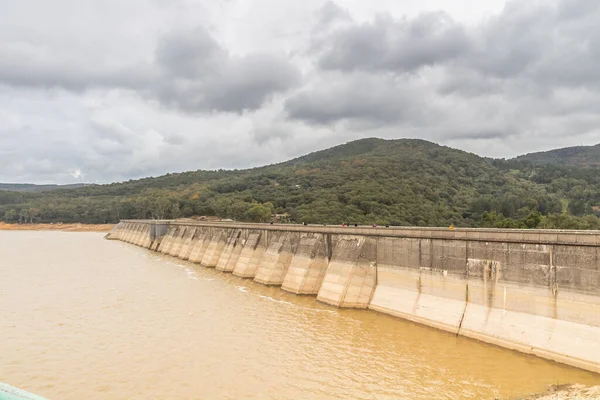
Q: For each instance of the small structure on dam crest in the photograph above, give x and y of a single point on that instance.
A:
(536, 291)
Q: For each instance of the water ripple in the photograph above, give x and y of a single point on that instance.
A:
(86, 318)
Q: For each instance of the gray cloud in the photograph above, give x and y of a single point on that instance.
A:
(182, 85)
(199, 75)
(551, 43)
(190, 72)
(480, 134)
(329, 15)
(190, 54)
(357, 96)
(396, 45)
(265, 134)
(431, 71)
(28, 65)
(548, 45)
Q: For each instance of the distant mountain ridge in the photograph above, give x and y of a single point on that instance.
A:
(577, 156)
(30, 187)
(400, 182)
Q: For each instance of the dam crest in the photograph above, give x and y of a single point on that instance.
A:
(535, 291)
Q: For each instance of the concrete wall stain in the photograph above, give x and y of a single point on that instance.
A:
(536, 291)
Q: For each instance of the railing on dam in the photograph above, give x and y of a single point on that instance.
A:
(536, 291)
(537, 236)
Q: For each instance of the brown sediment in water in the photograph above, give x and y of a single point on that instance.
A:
(86, 318)
(57, 227)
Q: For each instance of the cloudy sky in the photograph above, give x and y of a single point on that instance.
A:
(102, 91)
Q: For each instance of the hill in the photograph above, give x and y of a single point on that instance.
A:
(579, 156)
(397, 182)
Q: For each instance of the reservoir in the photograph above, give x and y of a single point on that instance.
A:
(86, 318)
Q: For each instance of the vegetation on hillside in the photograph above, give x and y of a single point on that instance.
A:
(578, 156)
(397, 182)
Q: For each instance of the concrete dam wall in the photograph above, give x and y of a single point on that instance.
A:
(535, 291)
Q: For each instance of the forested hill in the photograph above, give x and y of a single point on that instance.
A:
(578, 156)
(397, 182)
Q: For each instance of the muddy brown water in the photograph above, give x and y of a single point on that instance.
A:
(86, 318)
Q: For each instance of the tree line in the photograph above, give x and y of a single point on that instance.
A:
(400, 183)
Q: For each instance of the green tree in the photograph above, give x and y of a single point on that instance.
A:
(260, 212)
(577, 207)
(187, 211)
(10, 215)
(237, 209)
(175, 211)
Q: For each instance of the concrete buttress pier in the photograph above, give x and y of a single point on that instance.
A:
(351, 276)
(251, 255)
(276, 259)
(535, 291)
(231, 252)
(178, 241)
(186, 248)
(309, 264)
(215, 248)
(199, 246)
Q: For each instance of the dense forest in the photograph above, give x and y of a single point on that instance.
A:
(396, 182)
(578, 156)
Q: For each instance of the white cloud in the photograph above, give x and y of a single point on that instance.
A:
(76, 173)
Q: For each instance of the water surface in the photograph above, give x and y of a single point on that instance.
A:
(86, 318)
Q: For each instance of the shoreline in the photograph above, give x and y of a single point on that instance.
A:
(57, 227)
(566, 392)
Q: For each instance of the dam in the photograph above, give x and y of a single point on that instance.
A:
(534, 291)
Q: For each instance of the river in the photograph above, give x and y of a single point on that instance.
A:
(86, 318)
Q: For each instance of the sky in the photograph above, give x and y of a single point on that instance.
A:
(103, 91)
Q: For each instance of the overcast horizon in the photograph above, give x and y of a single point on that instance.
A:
(100, 92)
